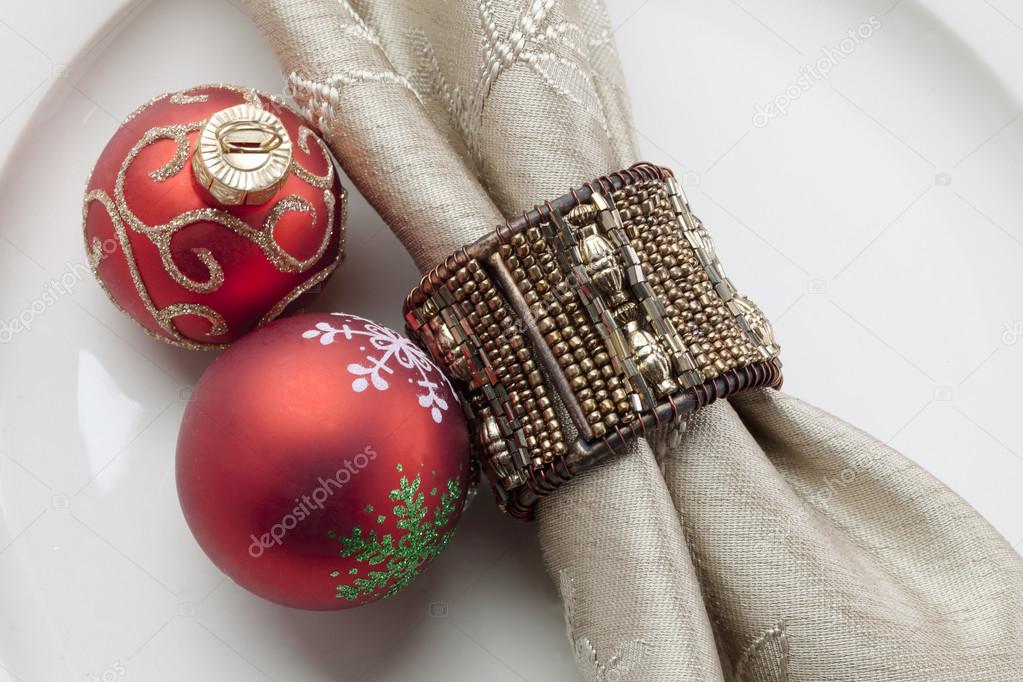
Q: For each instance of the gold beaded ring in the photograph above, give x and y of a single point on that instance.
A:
(609, 301)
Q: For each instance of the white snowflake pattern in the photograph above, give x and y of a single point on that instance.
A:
(377, 368)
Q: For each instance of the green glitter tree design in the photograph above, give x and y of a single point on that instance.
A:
(401, 560)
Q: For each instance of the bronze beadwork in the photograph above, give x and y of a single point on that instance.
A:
(612, 298)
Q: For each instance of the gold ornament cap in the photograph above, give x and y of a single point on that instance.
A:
(243, 155)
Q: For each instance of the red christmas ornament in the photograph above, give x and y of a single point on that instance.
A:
(323, 461)
(209, 212)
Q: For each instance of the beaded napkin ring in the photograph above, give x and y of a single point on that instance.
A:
(609, 301)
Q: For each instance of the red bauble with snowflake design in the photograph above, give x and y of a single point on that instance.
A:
(211, 211)
(323, 461)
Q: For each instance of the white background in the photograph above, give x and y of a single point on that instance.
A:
(878, 222)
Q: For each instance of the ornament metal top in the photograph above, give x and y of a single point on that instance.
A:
(243, 155)
(201, 252)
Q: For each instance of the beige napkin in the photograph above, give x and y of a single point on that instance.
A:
(775, 542)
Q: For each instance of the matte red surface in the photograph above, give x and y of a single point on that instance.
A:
(252, 284)
(270, 418)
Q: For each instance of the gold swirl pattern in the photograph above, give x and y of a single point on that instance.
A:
(184, 97)
(323, 274)
(321, 181)
(161, 235)
(180, 158)
(164, 317)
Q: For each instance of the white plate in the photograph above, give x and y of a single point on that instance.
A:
(877, 220)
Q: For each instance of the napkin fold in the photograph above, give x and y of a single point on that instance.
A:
(771, 541)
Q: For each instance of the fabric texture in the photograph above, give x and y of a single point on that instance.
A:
(772, 541)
